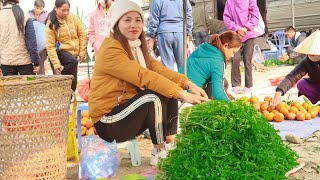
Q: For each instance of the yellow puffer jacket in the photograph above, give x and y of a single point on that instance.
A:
(71, 36)
(116, 79)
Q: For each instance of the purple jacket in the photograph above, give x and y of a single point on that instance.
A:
(42, 17)
(241, 13)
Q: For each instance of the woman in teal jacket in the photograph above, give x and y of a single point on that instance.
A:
(208, 62)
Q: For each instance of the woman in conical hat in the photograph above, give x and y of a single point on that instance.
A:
(309, 87)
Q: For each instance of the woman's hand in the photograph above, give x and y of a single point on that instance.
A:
(36, 69)
(276, 99)
(192, 98)
(81, 59)
(58, 70)
(150, 44)
(194, 89)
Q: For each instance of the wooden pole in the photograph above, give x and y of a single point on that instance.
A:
(292, 12)
(185, 37)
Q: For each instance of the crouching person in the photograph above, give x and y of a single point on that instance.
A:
(131, 91)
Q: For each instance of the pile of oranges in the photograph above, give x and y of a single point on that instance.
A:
(86, 124)
(283, 111)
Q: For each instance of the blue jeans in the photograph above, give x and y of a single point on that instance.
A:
(200, 37)
(171, 49)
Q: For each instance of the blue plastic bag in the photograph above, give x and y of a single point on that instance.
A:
(98, 158)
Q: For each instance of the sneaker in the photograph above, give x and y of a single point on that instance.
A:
(170, 146)
(246, 90)
(237, 90)
(157, 154)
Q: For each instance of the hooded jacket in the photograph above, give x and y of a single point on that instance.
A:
(204, 64)
(242, 13)
(99, 27)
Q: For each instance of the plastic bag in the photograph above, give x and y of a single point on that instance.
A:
(98, 158)
(72, 151)
(84, 88)
(257, 54)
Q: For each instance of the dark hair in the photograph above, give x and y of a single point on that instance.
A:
(39, 3)
(192, 3)
(18, 14)
(229, 37)
(54, 23)
(125, 44)
(290, 28)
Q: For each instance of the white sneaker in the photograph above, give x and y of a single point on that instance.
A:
(156, 154)
(170, 146)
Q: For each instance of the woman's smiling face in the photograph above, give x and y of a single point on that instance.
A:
(130, 25)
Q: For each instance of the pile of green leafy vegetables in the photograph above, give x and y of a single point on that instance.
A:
(276, 62)
(222, 140)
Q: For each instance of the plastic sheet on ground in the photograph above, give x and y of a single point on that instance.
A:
(302, 129)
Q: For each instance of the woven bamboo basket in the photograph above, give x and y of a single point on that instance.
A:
(34, 113)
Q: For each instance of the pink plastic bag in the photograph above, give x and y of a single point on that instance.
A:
(84, 88)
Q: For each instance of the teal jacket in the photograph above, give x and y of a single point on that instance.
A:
(205, 63)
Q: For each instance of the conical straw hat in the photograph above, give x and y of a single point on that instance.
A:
(311, 45)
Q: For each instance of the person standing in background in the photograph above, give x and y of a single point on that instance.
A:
(66, 40)
(241, 17)
(18, 50)
(99, 27)
(166, 23)
(38, 13)
(39, 16)
(200, 23)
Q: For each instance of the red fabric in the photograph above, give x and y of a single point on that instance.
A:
(84, 88)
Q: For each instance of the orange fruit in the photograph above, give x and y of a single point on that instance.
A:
(90, 131)
(296, 104)
(270, 109)
(275, 111)
(280, 105)
(267, 98)
(84, 121)
(256, 106)
(85, 114)
(313, 113)
(244, 99)
(254, 99)
(284, 111)
(264, 112)
(265, 102)
(83, 130)
(307, 116)
(287, 106)
(293, 109)
(269, 116)
(264, 107)
(278, 117)
(300, 108)
(89, 124)
(300, 116)
(291, 116)
(306, 105)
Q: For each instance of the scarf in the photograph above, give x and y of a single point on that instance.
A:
(137, 53)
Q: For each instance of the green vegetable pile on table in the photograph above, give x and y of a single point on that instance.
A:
(276, 62)
(221, 140)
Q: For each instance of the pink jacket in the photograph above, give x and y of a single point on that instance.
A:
(99, 27)
(241, 13)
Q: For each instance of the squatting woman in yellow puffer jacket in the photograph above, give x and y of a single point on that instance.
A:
(65, 40)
